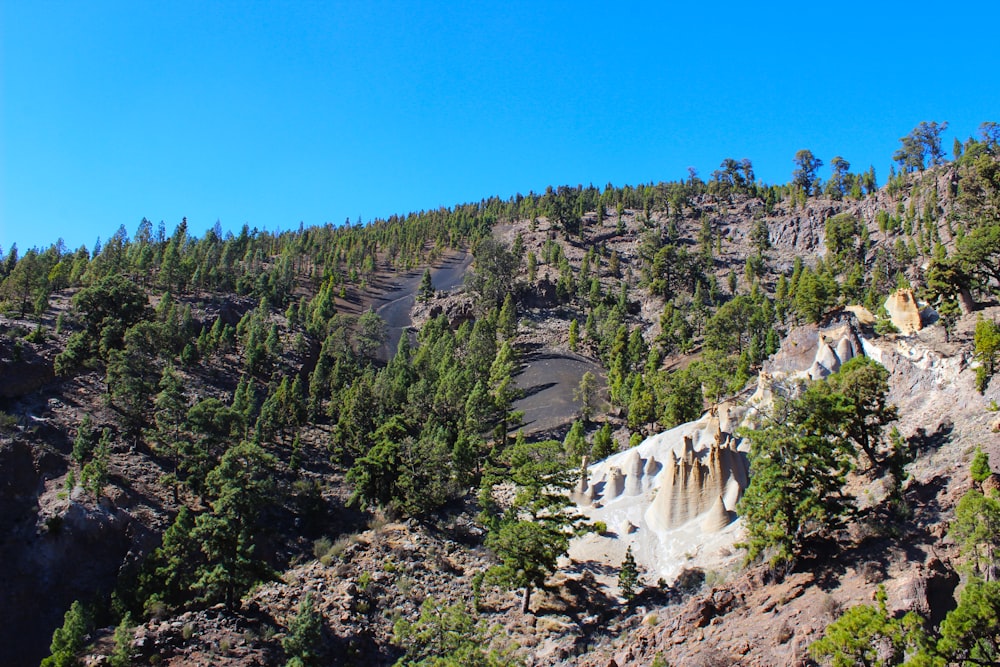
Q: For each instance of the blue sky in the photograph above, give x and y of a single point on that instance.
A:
(272, 113)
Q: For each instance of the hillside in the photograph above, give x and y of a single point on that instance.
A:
(321, 445)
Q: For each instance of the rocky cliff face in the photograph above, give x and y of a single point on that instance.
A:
(753, 619)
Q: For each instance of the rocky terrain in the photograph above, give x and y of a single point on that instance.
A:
(671, 499)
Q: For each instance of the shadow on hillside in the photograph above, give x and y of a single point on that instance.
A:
(592, 566)
(924, 497)
(922, 441)
(531, 391)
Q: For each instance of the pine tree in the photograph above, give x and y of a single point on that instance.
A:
(976, 529)
(426, 290)
(987, 345)
(122, 655)
(530, 534)
(867, 635)
(507, 321)
(83, 444)
(94, 476)
(170, 407)
(628, 575)
(574, 335)
(503, 389)
(795, 490)
(575, 442)
(980, 468)
(970, 634)
(303, 641)
(604, 443)
(586, 394)
(68, 640)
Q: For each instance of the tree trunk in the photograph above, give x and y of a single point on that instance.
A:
(966, 301)
(526, 600)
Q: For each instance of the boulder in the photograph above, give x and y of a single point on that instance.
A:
(863, 315)
(903, 311)
(991, 485)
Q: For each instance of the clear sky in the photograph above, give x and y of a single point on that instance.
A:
(276, 113)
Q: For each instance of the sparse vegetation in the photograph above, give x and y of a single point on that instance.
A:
(239, 386)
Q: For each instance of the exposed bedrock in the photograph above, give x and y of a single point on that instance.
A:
(694, 482)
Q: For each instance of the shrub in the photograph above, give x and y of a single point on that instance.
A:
(322, 547)
(980, 468)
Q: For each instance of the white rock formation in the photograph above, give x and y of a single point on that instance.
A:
(904, 311)
(634, 472)
(692, 482)
(673, 497)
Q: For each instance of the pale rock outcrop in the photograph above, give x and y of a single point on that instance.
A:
(583, 494)
(694, 481)
(863, 315)
(827, 358)
(718, 517)
(614, 484)
(652, 466)
(903, 311)
(633, 473)
(845, 350)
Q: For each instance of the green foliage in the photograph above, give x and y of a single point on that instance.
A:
(124, 633)
(496, 267)
(978, 257)
(864, 411)
(806, 165)
(920, 146)
(450, 636)
(604, 444)
(303, 642)
(131, 376)
(574, 335)
(94, 476)
(170, 571)
(530, 534)
(240, 486)
(842, 231)
(426, 290)
(799, 458)
(980, 469)
(797, 468)
(867, 635)
(212, 556)
(67, 641)
(719, 376)
(370, 335)
(575, 442)
(406, 473)
(814, 294)
(83, 443)
(970, 633)
(987, 349)
(109, 308)
(502, 387)
(507, 319)
(976, 529)
(628, 575)
(680, 398)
